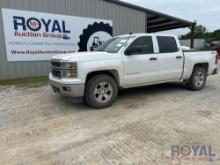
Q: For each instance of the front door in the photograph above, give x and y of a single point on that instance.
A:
(140, 62)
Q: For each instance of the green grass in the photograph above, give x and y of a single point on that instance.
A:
(26, 82)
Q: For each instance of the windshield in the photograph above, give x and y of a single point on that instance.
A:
(114, 45)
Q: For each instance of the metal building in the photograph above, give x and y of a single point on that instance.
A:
(126, 18)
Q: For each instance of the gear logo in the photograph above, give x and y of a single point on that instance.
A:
(33, 24)
(94, 35)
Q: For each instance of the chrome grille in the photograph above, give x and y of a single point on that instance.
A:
(56, 64)
(56, 73)
(56, 69)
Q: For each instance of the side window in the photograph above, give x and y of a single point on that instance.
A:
(142, 45)
(167, 44)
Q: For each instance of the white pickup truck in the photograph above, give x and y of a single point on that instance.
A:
(129, 61)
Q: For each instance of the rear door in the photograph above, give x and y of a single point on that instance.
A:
(170, 59)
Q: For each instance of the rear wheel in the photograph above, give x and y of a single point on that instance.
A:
(101, 91)
(198, 79)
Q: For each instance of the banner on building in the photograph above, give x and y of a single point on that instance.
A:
(35, 36)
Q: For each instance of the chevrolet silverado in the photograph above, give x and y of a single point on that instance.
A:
(129, 61)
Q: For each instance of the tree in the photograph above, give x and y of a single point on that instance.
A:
(200, 32)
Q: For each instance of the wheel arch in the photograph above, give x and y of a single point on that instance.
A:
(204, 65)
(113, 73)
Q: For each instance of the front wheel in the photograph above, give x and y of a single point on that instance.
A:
(198, 79)
(101, 91)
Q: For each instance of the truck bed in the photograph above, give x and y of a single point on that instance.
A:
(200, 57)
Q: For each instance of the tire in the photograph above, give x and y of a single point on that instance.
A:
(101, 91)
(198, 79)
(91, 29)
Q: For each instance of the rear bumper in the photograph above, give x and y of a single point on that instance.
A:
(69, 90)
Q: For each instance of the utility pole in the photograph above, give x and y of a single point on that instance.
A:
(192, 35)
(206, 36)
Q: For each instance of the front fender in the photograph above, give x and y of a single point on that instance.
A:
(88, 67)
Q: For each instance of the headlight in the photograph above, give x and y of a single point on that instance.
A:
(69, 65)
(70, 73)
(70, 70)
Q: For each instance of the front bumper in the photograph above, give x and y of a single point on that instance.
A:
(69, 90)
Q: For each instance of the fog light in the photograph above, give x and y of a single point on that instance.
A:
(67, 89)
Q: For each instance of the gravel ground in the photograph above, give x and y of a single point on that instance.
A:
(38, 127)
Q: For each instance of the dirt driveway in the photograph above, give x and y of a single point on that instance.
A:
(38, 127)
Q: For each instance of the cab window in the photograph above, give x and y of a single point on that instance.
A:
(167, 44)
(141, 46)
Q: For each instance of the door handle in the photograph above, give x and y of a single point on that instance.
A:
(153, 59)
(179, 57)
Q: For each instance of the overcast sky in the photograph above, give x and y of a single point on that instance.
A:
(204, 12)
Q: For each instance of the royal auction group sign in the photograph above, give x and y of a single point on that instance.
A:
(35, 36)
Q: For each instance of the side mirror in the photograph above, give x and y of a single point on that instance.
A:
(132, 51)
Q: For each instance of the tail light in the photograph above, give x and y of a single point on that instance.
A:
(216, 56)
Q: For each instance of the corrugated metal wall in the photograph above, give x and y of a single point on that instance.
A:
(125, 20)
(198, 43)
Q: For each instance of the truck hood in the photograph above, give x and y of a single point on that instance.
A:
(86, 56)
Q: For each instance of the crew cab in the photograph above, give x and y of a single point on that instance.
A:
(129, 61)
